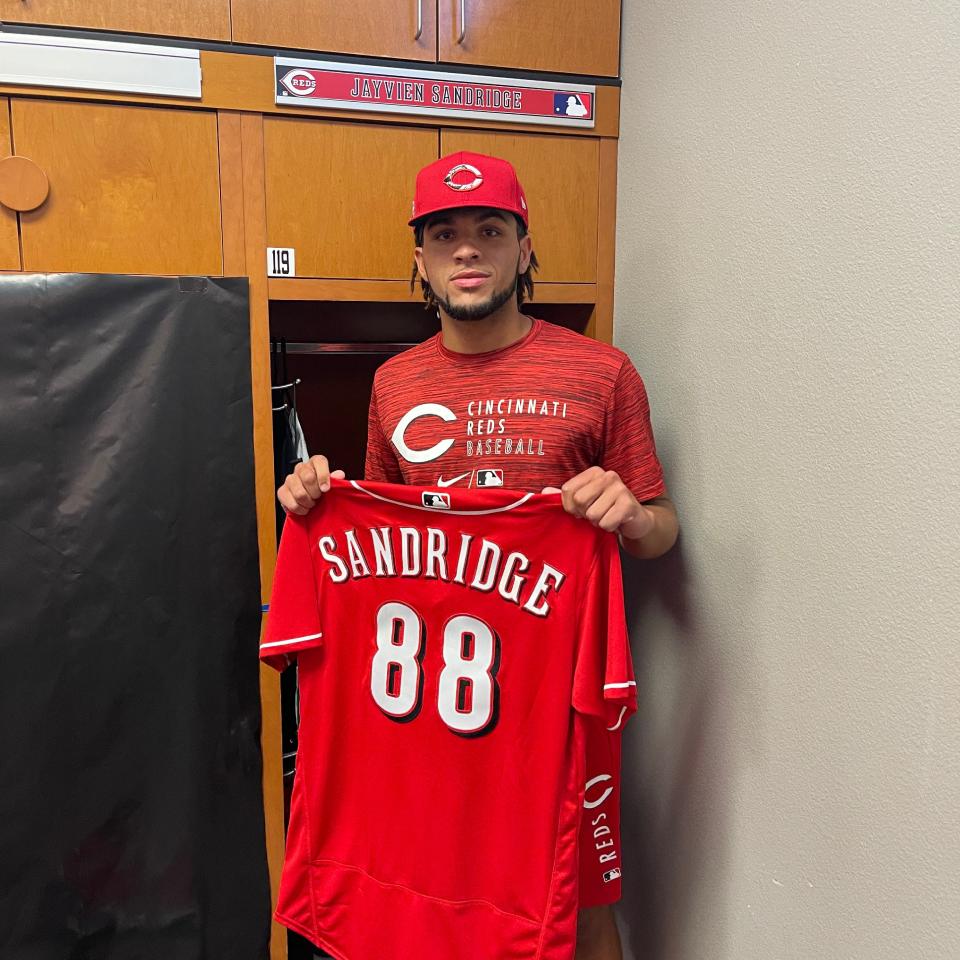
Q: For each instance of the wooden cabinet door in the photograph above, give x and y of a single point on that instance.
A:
(340, 194)
(9, 235)
(209, 19)
(372, 28)
(563, 36)
(560, 177)
(132, 189)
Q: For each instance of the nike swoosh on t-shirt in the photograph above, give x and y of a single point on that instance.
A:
(449, 483)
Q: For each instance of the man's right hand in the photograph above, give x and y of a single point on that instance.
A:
(306, 485)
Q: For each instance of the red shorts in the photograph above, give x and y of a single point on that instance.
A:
(600, 857)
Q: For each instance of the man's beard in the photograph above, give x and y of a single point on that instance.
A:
(478, 311)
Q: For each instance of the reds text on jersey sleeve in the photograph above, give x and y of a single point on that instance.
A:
(452, 646)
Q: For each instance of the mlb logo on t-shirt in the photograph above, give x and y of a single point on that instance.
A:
(437, 501)
(613, 874)
(489, 478)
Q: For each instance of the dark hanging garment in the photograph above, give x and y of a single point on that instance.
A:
(131, 813)
(289, 449)
(289, 444)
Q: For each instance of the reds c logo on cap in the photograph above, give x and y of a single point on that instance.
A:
(463, 168)
(466, 179)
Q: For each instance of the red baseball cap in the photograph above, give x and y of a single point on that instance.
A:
(467, 179)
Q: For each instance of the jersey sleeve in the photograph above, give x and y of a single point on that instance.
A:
(293, 621)
(628, 445)
(381, 462)
(603, 683)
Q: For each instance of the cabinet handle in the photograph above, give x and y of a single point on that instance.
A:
(463, 21)
(23, 184)
(419, 32)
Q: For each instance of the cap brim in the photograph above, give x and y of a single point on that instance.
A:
(461, 206)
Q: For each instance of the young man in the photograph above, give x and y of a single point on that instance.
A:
(500, 399)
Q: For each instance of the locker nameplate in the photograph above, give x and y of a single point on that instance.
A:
(345, 86)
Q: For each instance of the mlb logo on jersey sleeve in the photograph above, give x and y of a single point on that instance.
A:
(489, 478)
(611, 875)
(437, 501)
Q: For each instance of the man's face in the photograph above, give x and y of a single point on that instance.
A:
(472, 259)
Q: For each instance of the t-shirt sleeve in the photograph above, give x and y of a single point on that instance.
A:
(628, 445)
(381, 462)
(603, 683)
(293, 621)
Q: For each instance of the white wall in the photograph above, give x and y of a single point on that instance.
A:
(788, 283)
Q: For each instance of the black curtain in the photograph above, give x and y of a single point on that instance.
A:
(131, 816)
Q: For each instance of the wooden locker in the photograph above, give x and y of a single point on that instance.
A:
(340, 194)
(405, 29)
(203, 19)
(563, 36)
(132, 189)
(9, 234)
(560, 176)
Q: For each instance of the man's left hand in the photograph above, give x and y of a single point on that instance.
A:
(601, 497)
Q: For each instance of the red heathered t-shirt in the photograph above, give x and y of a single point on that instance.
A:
(531, 415)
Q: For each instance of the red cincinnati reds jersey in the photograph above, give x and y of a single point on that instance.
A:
(451, 644)
(529, 416)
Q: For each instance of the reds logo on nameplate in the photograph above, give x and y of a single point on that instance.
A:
(301, 83)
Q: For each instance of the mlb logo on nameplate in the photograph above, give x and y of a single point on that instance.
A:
(569, 105)
(489, 478)
(437, 501)
(613, 874)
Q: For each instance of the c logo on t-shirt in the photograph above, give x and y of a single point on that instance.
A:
(438, 449)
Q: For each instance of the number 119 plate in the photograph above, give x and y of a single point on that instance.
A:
(281, 262)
